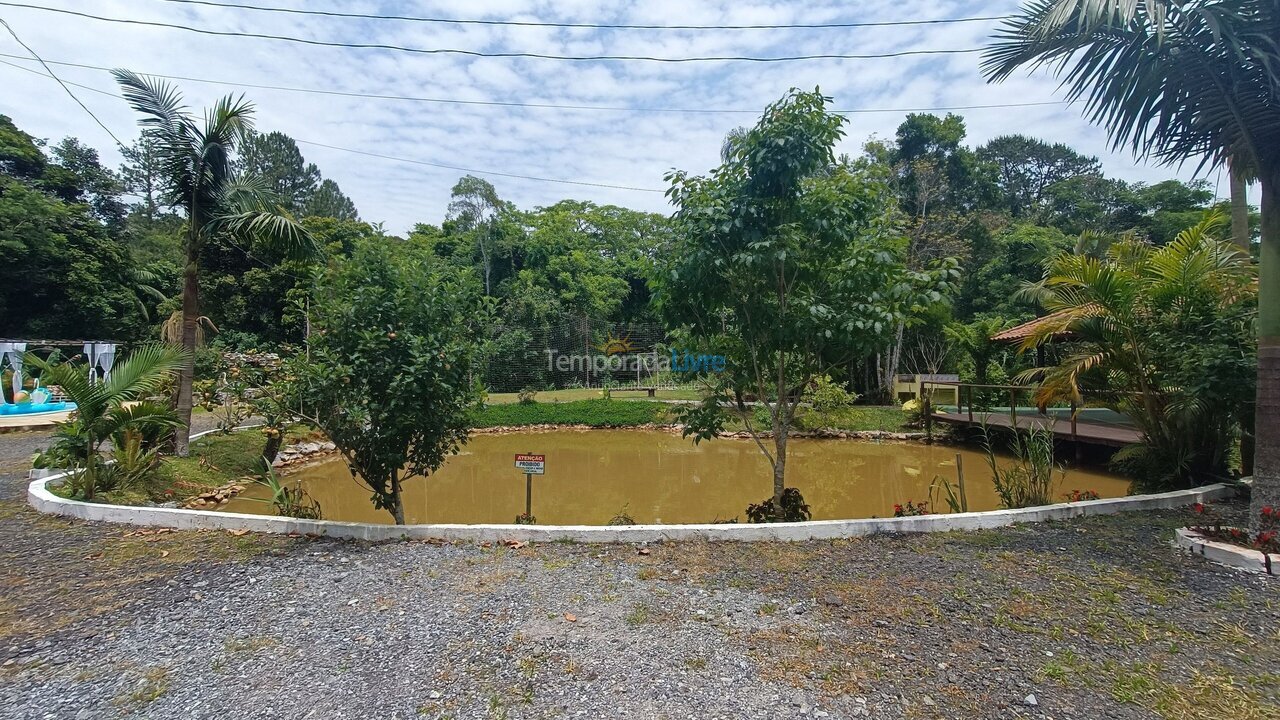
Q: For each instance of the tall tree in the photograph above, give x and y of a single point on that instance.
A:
(220, 206)
(274, 158)
(473, 206)
(1025, 167)
(782, 262)
(328, 200)
(1173, 80)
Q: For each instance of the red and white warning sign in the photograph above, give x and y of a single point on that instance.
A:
(531, 464)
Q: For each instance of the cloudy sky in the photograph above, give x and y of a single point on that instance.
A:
(629, 148)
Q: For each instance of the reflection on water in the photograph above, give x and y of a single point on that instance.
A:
(663, 478)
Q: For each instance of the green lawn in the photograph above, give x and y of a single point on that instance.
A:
(554, 396)
(596, 413)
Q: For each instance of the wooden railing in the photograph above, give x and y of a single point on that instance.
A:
(965, 392)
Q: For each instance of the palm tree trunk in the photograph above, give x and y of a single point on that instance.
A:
(1266, 467)
(1239, 211)
(190, 313)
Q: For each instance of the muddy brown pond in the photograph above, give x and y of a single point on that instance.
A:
(659, 477)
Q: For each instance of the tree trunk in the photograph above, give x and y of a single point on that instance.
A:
(186, 375)
(272, 448)
(397, 502)
(1266, 465)
(1239, 211)
(779, 465)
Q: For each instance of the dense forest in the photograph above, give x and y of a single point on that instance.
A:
(92, 252)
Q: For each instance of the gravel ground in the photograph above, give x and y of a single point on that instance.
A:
(1098, 618)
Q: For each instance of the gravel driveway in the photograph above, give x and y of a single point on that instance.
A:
(1088, 619)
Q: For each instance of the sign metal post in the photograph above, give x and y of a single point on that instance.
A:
(531, 464)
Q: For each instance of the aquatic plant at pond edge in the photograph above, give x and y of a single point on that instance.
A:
(1030, 478)
(622, 517)
(911, 509)
(793, 509)
(289, 501)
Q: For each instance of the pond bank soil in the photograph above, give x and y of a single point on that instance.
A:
(1086, 619)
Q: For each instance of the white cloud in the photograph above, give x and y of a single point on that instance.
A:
(631, 149)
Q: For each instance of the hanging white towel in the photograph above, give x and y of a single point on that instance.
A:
(106, 358)
(14, 352)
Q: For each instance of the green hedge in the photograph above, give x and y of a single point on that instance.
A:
(596, 413)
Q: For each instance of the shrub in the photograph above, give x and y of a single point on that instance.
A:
(911, 509)
(826, 399)
(527, 396)
(1266, 539)
(1079, 495)
(794, 509)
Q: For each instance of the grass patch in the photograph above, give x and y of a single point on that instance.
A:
(574, 394)
(153, 683)
(595, 413)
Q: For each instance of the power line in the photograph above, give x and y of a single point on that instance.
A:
(53, 75)
(476, 53)
(455, 168)
(592, 26)
(555, 106)
(479, 172)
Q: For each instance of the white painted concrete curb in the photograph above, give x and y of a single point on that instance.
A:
(45, 501)
(1227, 554)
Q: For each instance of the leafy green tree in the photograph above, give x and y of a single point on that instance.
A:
(974, 340)
(783, 262)
(1025, 167)
(328, 200)
(219, 206)
(66, 272)
(275, 160)
(108, 408)
(473, 206)
(1180, 79)
(389, 375)
(1167, 334)
(1002, 264)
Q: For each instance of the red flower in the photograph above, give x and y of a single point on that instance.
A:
(1267, 511)
(1198, 508)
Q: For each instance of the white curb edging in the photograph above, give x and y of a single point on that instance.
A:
(1226, 553)
(40, 498)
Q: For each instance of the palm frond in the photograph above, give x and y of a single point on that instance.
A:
(1168, 79)
(171, 329)
(144, 371)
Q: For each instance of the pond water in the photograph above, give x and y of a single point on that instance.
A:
(660, 477)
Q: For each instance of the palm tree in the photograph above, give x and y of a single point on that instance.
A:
(198, 178)
(111, 408)
(1133, 316)
(1174, 80)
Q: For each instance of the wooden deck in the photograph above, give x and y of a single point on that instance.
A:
(1094, 433)
(1089, 423)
